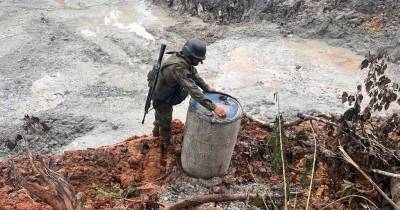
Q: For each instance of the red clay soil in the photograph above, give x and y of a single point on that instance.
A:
(135, 162)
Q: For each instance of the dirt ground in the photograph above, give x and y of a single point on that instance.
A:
(80, 66)
(134, 166)
(78, 69)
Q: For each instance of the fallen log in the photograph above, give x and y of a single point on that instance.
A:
(323, 120)
(263, 123)
(202, 199)
(48, 186)
(386, 173)
(269, 125)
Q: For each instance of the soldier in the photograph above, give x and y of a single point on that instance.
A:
(178, 78)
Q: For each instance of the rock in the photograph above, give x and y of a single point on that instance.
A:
(10, 143)
(216, 189)
(53, 142)
(114, 127)
(229, 179)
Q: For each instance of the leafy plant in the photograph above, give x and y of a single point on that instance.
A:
(381, 90)
(276, 150)
(116, 192)
(113, 192)
(307, 166)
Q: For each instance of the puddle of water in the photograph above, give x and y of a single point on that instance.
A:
(278, 62)
(134, 16)
(321, 52)
(239, 69)
(116, 18)
(307, 74)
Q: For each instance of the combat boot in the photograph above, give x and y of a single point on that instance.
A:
(164, 140)
(164, 143)
(156, 131)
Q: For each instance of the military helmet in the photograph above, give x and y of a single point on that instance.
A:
(195, 48)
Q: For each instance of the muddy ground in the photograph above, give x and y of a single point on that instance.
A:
(124, 175)
(80, 66)
(359, 25)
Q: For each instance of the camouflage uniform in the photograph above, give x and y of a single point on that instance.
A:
(177, 79)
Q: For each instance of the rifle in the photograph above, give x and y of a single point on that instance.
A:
(152, 85)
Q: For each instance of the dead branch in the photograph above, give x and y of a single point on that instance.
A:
(285, 188)
(395, 190)
(302, 118)
(354, 164)
(49, 186)
(323, 151)
(330, 116)
(323, 120)
(374, 143)
(293, 123)
(386, 173)
(309, 117)
(350, 196)
(201, 199)
(313, 166)
(263, 123)
(269, 125)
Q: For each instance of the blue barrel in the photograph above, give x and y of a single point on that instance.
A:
(208, 140)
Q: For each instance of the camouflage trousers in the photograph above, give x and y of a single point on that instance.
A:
(163, 115)
(162, 122)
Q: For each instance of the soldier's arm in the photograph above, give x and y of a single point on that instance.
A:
(181, 75)
(200, 81)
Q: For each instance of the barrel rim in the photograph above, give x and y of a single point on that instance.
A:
(224, 122)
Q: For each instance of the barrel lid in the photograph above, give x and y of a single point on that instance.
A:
(231, 105)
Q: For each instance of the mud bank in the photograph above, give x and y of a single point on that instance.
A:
(105, 175)
(361, 25)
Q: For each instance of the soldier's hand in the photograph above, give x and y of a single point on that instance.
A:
(220, 111)
(211, 89)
